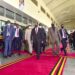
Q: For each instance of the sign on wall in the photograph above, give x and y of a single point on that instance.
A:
(21, 4)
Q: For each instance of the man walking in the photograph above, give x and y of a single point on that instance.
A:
(36, 38)
(64, 38)
(8, 35)
(54, 38)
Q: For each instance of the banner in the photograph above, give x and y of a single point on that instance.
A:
(21, 4)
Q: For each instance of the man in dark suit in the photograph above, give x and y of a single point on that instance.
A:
(64, 38)
(43, 36)
(18, 38)
(36, 38)
(8, 35)
(73, 39)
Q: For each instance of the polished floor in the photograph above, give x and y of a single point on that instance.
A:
(69, 68)
(12, 58)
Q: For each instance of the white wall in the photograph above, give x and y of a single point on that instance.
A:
(70, 25)
(33, 10)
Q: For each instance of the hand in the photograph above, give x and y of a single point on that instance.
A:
(42, 42)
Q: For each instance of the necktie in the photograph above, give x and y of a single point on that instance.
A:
(8, 31)
(36, 30)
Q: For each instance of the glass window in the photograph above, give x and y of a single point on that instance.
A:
(1, 11)
(2, 24)
(34, 22)
(24, 20)
(0, 27)
(18, 17)
(30, 21)
(9, 14)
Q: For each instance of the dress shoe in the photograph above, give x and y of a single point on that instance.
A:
(19, 54)
(5, 56)
(30, 53)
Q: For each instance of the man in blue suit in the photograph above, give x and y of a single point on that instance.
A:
(8, 35)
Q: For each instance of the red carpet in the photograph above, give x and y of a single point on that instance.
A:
(69, 54)
(32, 66)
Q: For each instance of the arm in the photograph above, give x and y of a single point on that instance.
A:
(67, 33)
(25, 34)
(31, 37)
(21, 34)
(43, 35)
(49, 36)
(59, 35)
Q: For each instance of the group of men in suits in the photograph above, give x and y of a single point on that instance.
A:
(12, 36)
(38, 37)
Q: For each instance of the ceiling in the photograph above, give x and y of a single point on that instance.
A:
(62, 10)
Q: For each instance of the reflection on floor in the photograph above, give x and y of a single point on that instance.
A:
(12, 58)
(69, 67)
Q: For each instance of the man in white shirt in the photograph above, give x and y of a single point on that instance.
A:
(17, 38)
(64, 37)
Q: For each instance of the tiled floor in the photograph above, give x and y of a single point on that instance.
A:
(69, 67)
(12, 58)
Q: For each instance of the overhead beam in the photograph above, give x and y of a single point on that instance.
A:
(59, 5)
(49, 2)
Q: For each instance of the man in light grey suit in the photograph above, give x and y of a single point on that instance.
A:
(54, 38)
(8, 35)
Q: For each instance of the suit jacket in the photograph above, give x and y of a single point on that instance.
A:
(20, 34)
(73, 35)
(36, 37)
(43, 35)
(53, 35)
(11, 30)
